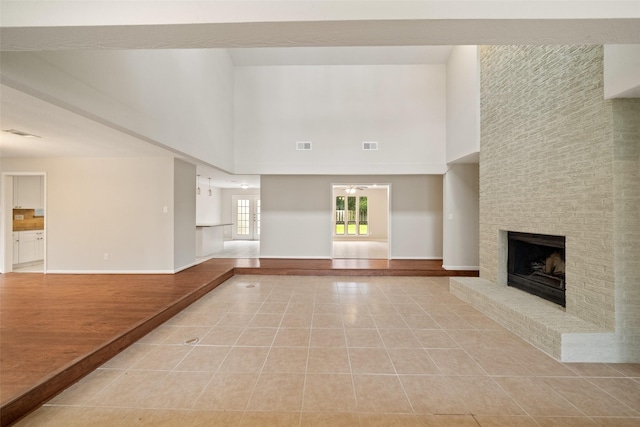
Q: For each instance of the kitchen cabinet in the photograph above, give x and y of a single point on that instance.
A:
(16, 247)
(28, 246)
(28, 192)
(39, 245)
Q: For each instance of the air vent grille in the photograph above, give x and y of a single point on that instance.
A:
(369, 146)
(303, 145)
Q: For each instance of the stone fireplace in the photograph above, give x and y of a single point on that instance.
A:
(557, 159)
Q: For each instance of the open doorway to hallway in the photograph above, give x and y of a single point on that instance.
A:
(360, 226)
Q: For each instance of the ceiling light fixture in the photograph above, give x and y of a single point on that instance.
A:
(244, 186)
(351, 189)
(21, 133)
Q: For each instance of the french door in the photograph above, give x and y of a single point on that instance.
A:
(246, 217)
(351, 216)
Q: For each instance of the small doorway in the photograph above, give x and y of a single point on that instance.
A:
(24, 224)
(360, 226)
(246, 217)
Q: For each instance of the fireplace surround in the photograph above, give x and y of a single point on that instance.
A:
(558, 158)
(536, 264)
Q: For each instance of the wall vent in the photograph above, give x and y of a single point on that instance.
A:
(303, 145)
(369, 146)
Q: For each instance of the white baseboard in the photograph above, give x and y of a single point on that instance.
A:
(462, 267)
(110, 272)
(293, 257)
(356, 239)
(427, 258)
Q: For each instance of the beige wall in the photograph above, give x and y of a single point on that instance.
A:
(106, 205)
(297, 217)
(461, 218)
(184, 215)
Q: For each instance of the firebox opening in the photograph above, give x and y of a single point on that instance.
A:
(536, 264)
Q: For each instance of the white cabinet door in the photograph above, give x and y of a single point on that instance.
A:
(28, 192)
(27, 247)
(16, 248)
(39, 245)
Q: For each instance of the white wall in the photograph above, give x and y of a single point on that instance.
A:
(402, 107)
(622, 71)
(297, 216)
(180, 99)
(184, 217)
(208, 208)
(463, 103)
(461, 218)
(106, 205)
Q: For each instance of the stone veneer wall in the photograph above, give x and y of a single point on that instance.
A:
(547, 164)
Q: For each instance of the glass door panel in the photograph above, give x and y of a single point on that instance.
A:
(351, 215)
(339, 224)
(246, 217)
(352, 219)
(363, 212)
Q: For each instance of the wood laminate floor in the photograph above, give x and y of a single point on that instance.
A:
(54, 329)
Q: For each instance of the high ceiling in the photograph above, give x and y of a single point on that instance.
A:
(267, 33)
(66, 134)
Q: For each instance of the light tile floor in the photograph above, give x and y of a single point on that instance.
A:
(331, 351)
(341, 249)
(239, 249)
(30, 268)
(361, 249)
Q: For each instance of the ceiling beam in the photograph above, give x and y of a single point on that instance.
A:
(56, 25)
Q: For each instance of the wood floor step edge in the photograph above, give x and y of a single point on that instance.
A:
(30, 400)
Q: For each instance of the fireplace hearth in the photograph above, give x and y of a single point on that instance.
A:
(536, 264)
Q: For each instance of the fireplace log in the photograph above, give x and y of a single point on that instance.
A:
(554, 264)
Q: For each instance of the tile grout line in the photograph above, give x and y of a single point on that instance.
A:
(246, 409)
(589, 379)
(226, 356)
(306, 366)
(246, 406)
(395, 369)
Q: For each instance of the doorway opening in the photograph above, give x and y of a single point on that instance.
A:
(360, 226)
(246, 218)
(24, 224)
